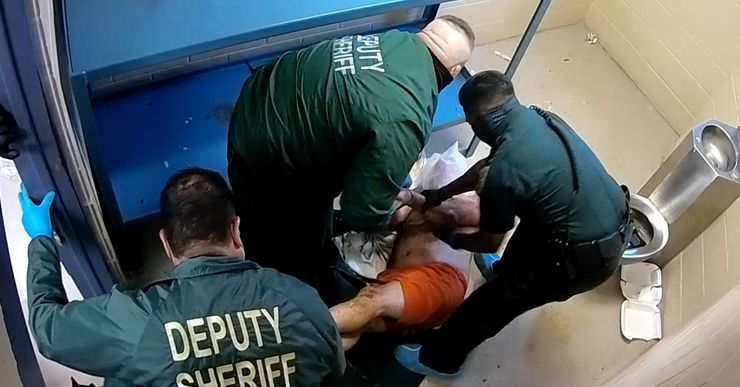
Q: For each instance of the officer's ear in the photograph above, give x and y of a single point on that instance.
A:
(166, 245)
(236, 236)
(455, 70)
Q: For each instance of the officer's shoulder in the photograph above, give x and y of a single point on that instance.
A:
(395, 33)
(125, 300)
(405, 39)
(274, 275)
(295, 292)
(282, 283)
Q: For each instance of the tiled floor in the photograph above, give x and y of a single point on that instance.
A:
(576, 343)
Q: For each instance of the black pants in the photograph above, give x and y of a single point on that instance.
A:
(287, 225)
(528, 278)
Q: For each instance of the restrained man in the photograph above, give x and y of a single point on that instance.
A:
(424, 283)
(215, 319)
(575, 220)
(347, 115)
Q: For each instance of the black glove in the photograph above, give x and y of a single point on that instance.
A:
(9, 133)
(434, 197)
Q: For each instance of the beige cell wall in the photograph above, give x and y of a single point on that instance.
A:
(703, 273)
(494, 20)
(8, 368)
(704, 354)
(683, 54)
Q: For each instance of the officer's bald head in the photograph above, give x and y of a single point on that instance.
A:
(200, 217)
(451, 40)
(484, 92)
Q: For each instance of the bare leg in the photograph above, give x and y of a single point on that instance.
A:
(367, 310)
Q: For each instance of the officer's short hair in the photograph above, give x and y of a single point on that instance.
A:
(462, 26)
(198, 207)
(485, 91)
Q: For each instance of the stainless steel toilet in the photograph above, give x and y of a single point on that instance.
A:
(652, 229)
(693, 186)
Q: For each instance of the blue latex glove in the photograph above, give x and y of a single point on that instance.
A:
(407, 182)
(36, 218)
(487, 264)
(408, 356)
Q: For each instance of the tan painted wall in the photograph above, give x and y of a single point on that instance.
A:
(683, 54)
(704, 354)
(494, 20)
(8, 369)
(703, 273)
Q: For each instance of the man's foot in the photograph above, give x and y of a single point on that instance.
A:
(486, 263)
(408, 356)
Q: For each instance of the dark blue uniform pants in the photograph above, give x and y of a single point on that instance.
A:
(528, 278)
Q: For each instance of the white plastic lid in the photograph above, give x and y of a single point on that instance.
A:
(641, 321)
(642, 282)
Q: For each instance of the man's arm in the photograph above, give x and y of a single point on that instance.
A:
(460, 211)
(96, 336)
(465, 183)
(371, 186)
(477, 242)
(497, 202)
(469, 180)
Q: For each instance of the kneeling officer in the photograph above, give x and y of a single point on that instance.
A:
(214, 320)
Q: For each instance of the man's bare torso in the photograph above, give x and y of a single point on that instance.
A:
(416, 245)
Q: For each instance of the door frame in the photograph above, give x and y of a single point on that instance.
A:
(42, 167)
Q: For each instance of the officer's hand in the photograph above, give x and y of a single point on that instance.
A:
(433, 198)
(449, 236)
(36, 218)
(407, 197)
(9, 133)
(399, 217)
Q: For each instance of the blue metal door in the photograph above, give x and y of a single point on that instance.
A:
(41, 164)
(42, 168)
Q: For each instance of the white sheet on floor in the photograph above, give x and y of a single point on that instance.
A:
(368, 253)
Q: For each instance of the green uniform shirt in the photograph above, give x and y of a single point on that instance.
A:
(530, 176)
(212, 319)
(348, 116)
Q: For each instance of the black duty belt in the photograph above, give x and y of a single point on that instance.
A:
(598, 255)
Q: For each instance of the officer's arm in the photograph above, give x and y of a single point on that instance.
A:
(84, 335)
(377, 174)
(498, 198)
(468, 181)
(478, 242)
